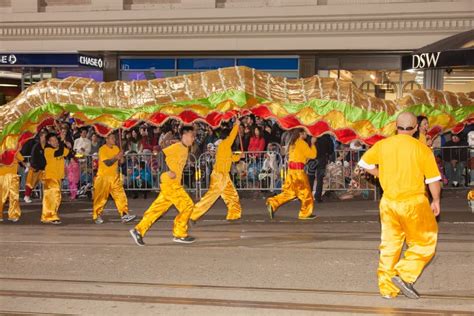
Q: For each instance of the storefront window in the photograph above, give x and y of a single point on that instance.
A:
(151, 68)
(201, 64)
(97, 75)
(10, 84)
(459, 80)
(377, 76)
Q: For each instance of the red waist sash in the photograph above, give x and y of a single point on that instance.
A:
(296, 165)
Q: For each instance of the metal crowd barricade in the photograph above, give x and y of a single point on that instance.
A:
(142, 172)
(256, 171)
(263, 171)
(346, 178)
(456, 164)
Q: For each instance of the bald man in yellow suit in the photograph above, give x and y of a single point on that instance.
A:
(404, 165)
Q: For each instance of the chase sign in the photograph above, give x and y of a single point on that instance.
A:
(9, 59)
(90, 61)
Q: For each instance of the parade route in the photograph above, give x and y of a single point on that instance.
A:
(251, 267)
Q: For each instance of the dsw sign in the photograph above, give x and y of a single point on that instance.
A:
(425, 60)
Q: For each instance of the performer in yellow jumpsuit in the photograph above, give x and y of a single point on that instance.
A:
(54, 154)
(297, 183)
(109, 182)
(37, 164)
(172, 193)
(10, 188)
(221, 184)
(404, 166)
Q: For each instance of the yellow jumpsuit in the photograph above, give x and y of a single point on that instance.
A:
(405, 165)
(422, 138)
(108, 182)
(172, 193)
(33, 177)
(52, 177)
(221, 184)
(10, 188)
(470, 195)
(296, 182)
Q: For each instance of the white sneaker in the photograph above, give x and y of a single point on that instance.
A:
(99, 220)
(27, 199)
(127, 218)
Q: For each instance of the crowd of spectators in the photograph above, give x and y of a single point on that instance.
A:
(143, 143)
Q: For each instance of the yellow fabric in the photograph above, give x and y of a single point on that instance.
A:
(171, 194)
(221, 186)
(470, 195)
(296, 186)
(301, 152)
(9, 190)
(54, 165)
(33, 177)
(13, 167)
(51, 199)
(105, 186)
(106, 153)
(176, 157)
(404, 163)
(422, 138)
(413, 221)
(224, 156)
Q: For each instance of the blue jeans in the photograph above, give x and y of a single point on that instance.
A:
(454, 174)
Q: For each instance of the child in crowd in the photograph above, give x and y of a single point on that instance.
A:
(73, 176)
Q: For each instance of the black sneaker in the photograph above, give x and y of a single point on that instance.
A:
(270, 210)
(407, 288)
(184, 240)
(307, 218)
(55, 222)
(137, 237)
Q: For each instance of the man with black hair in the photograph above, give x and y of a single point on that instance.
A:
(83, 145)
(54, 153)
(221, 184)
(317, 167)
(172, 193)
(109, 182)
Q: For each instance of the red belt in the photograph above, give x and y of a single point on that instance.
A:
(296, 165)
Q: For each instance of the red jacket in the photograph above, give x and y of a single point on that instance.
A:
(257, 144)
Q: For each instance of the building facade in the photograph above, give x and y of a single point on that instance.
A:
(358, 40)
